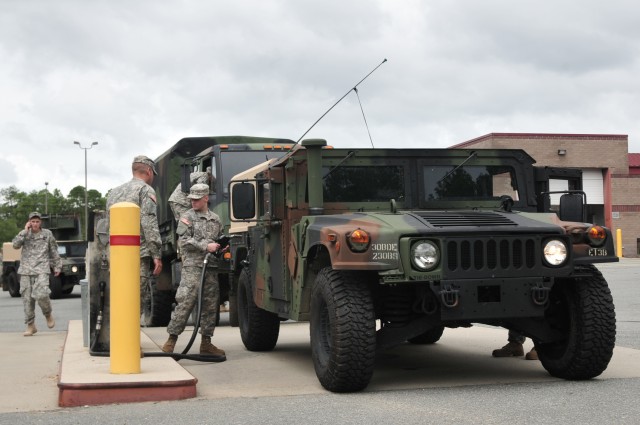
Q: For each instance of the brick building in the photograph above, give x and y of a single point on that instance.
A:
(610, 174)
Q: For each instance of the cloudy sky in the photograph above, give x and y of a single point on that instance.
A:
(137, 76)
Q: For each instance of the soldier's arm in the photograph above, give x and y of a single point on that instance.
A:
(18, 241)
(149, 222)
(54, 256)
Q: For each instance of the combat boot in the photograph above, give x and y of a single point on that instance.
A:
(532, 355)
(170, 344)
(31, 329)
(512, 349)
(50, 321)
(208, 349)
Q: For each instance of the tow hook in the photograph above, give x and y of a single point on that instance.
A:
(540, 294)
(449, 296)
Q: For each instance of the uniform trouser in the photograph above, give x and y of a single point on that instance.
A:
(187, 296)
(516, 337)
(35, 288)
(145, 289)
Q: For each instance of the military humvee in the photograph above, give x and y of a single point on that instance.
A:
(377, 247)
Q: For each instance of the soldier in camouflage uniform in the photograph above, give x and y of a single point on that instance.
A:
(138, 191)
(39, 255)
(178, 200)
(198, 229)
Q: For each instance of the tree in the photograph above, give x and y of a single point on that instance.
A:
(16, 205)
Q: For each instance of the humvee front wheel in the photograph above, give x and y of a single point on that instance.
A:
(259, 329)
(55, 285)
(14, 284)
(583, 309)
(343, 331)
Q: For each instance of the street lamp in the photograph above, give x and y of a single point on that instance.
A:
(46, 195)
(86, 201)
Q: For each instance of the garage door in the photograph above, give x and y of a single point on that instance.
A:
(593, 186)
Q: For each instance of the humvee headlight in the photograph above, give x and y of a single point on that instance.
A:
(596, 235)
(555, 252)
(358, 240)
(425, 255)
(74, 269)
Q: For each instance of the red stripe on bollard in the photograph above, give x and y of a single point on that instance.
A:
(124, 240)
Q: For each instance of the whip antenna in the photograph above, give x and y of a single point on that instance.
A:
(354, 88)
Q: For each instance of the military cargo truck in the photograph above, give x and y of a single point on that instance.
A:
(225, 156)
(380, 247)
(71, 248)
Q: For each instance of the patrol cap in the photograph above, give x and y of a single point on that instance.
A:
(198, 191)
(34, 214)
(147, 161)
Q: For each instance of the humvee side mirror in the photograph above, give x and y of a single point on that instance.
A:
(572, 207)
(243, 201)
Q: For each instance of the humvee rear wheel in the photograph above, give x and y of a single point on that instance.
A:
(14, 284)
(429, 337)
(343, 331)
(259, 329)
(55, 285)
(156, 309)
(583, 309)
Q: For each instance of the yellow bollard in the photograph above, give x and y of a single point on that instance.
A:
(619, 242)
(124, 239)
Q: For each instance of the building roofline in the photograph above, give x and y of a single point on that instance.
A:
(545, 136)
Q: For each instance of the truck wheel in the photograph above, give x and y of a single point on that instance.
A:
(581, 308)
(55, 285)
(429, 337)
(14, 284)
(233, 311)
(259, 329)
(157, 312)
(343, 331)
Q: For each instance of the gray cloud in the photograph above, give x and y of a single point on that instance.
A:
(138, 76)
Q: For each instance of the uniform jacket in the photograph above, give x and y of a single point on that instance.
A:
(143, 195)
(39, 252)
(196, 230)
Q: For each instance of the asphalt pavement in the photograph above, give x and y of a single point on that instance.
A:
(461, 359)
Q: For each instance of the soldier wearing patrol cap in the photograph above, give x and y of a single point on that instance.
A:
(139, 191)
(39, 255)
(198, 229)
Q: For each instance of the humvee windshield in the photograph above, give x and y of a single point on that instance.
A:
(235, 162)
(72, 249)
(363, 183)
(477, 182)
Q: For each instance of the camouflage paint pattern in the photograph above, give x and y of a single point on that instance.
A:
(298, 231)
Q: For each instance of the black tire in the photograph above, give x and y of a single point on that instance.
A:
(55, 285)
(259, 329)
(429, 337)
(233, 311)
(157, 312)
(14, 284)
(581, 308)
(68, 290)
(343, 331)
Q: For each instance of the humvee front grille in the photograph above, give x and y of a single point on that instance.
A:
(494, 256)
